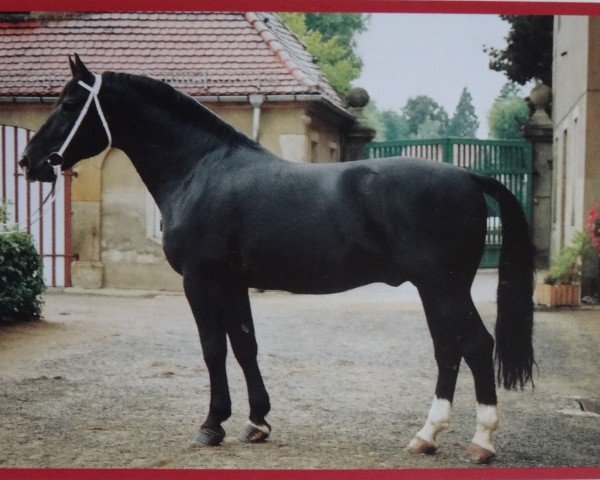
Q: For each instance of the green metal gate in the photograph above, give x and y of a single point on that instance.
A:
(508, 161)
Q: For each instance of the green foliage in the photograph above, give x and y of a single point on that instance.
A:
(21, 280)
(528, 53)
(506, 116)
(373, 118)
(508, 90)
(566, 267)
(395, 126)
(333, 52)
(420, 109)
(423, 117)
(344, 26)
(464, 123)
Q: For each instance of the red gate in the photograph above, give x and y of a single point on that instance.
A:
(49, 226)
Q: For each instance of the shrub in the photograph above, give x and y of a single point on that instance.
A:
(566, 267)
(21, 280)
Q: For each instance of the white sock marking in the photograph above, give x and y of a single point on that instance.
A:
(487, 422)
(262, 428)
(437, 420)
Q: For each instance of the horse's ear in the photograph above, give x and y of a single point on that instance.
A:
(81, 71)
(72, 66)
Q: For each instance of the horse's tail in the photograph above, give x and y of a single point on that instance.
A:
(514, 327)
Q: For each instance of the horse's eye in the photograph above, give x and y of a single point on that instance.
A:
(68, 106)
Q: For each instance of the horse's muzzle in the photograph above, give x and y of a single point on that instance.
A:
(41, 173)
(24, 163)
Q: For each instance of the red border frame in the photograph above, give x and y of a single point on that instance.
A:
(371, 6)
(534, 473)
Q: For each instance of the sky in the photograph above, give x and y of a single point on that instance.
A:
(406, 55)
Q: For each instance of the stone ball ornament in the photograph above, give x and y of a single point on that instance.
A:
(358, 97)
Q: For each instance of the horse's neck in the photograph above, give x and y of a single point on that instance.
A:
(163, 149)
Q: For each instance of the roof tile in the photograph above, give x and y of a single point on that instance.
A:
(214, 53)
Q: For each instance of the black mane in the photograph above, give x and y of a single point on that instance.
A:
(155, 91)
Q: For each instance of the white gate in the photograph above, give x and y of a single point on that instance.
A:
(50, 227)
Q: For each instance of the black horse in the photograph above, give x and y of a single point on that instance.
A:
(236, 216)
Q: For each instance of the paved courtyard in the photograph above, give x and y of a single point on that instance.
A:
(117, 379)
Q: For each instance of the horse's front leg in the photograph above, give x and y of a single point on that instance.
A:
(207, 300)
(240, 329)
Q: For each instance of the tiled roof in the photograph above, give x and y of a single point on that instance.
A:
(202, 54)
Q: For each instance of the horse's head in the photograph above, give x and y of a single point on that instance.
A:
(76, 129)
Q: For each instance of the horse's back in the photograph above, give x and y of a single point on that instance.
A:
(359, 222)
(319, 228)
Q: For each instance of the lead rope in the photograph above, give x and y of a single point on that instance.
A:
(55, 159)
(50, 198)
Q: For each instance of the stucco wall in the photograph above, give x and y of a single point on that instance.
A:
(569, 63)
(290, 130)
(592, 164)
(25, 115)
(576, 108)
(110, 239)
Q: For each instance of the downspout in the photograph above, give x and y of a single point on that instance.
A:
(256, 100)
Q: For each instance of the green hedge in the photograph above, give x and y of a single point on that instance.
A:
(21, 280)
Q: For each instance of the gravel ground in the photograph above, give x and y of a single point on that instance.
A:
(113, 380)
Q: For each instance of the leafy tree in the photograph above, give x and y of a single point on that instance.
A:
(344, 26)
(505, 117)
(510, 89)
(373, 117)
(333, 52)
(430, 129)
(464, 122)
(395, 126)
(421, 108)
(528, 53)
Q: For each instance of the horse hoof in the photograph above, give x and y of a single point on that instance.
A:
(478, 454)
(421, 447)
(209, 438)
(253, 433)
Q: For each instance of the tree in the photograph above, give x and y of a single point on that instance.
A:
(510, 89)
(373, 117)
(430, 129)
(421, 108)
(394, 125)
(505, 117)
(528, 53)
(344, 26)
(333, 52)
(464, 122)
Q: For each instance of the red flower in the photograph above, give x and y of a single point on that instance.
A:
(593, 226)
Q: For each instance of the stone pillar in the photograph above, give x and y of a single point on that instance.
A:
(360, 132)
(538, 130)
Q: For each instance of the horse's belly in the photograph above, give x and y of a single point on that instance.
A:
(313, 273)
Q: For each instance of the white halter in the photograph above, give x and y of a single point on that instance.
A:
(55, 159)
(93, 95)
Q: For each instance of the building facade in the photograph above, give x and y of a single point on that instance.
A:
(576, 115)
(248, 68)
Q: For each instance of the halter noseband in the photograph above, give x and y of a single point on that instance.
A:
(55, 159)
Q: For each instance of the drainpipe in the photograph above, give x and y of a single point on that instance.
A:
(256, 100)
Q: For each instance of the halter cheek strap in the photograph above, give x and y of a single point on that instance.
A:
(55, 159)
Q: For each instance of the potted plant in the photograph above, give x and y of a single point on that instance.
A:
(561, 285)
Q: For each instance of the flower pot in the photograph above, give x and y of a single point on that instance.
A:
(558, 295)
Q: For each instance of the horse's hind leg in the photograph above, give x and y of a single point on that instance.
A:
(457, 331)
(477, 349)
(240, 329)
(208, 303)
(441, 311)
